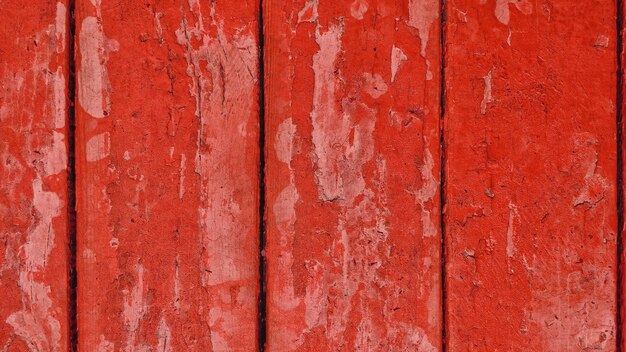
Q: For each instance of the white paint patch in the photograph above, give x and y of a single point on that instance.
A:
(323, 109)
(59, 103)
(157, 26)
(374, 85)
(602, 41)
(164, 337)
(284, 210)
(503, 13)
(222, 74)
(134, 309)
(36, 324)
(397, 58)
(315, 296)
(284, 143)
(427, 192)
(176, 287)
(181, 177)
(510, 232)
(105, 345)
(308, 12)
(358, 8)
(60, 26)
(508, 38)
(94, 88)
(89, 256)
(98, 147)
(487, 93)
(595, 186)
(429, 73)
(41, 238)
(55, 157)
(422, 14)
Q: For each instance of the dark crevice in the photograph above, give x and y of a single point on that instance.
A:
(620, 164)
(442, 175)
(71, 180)
(262, 310)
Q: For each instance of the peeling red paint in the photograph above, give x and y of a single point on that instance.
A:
(167, 154)
(352, 195)
(33, 169)
(530, 185)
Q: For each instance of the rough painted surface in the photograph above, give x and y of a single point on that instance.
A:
(167, 153)
(531, 166)
(352, 131)
(33, 174)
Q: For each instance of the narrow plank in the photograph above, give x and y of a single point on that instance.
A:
(33, 170)
(168, 164)
(352, 126)
(531, 175)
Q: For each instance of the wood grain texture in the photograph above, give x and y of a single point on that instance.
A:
(531, 175)
(352, 131)
(168, 164)
(33, 174)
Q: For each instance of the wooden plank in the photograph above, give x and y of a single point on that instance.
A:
(168, 155)
(531, 175)
(33, 170)
(352, 126)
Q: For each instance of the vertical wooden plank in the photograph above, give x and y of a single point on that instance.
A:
(33, 170)
(531, 175)
(352, 117)
(168, 163)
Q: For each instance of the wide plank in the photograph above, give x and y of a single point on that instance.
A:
(531, 217)
(34, 222)
(352, 174)
(168, 164)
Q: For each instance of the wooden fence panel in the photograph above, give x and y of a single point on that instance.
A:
(352, 131)
(531, 175)
(168, 164)
(33, 172)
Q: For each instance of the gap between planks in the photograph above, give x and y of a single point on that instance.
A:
(262, 308)
(71, 179)
(620, 164)
(442, 171)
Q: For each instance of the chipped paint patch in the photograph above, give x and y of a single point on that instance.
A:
(374, 85)
(181, 178)
(422, 15)
(487, 93)
(134, 308)
(94, 88)
(60, 26)
(427, 192)
(55, 157)
(98, 147)
(397, 58)
(309, 12)
(503, 12)
(164, 337)
(358, 8)
(510, 232)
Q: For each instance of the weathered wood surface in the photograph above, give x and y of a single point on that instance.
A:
(168, 154)
(352, 131)
(531, 175)
(33, 174)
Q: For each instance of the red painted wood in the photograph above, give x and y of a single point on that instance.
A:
(33, 174)
(531, 175)
(352, 130)
(168, 154)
